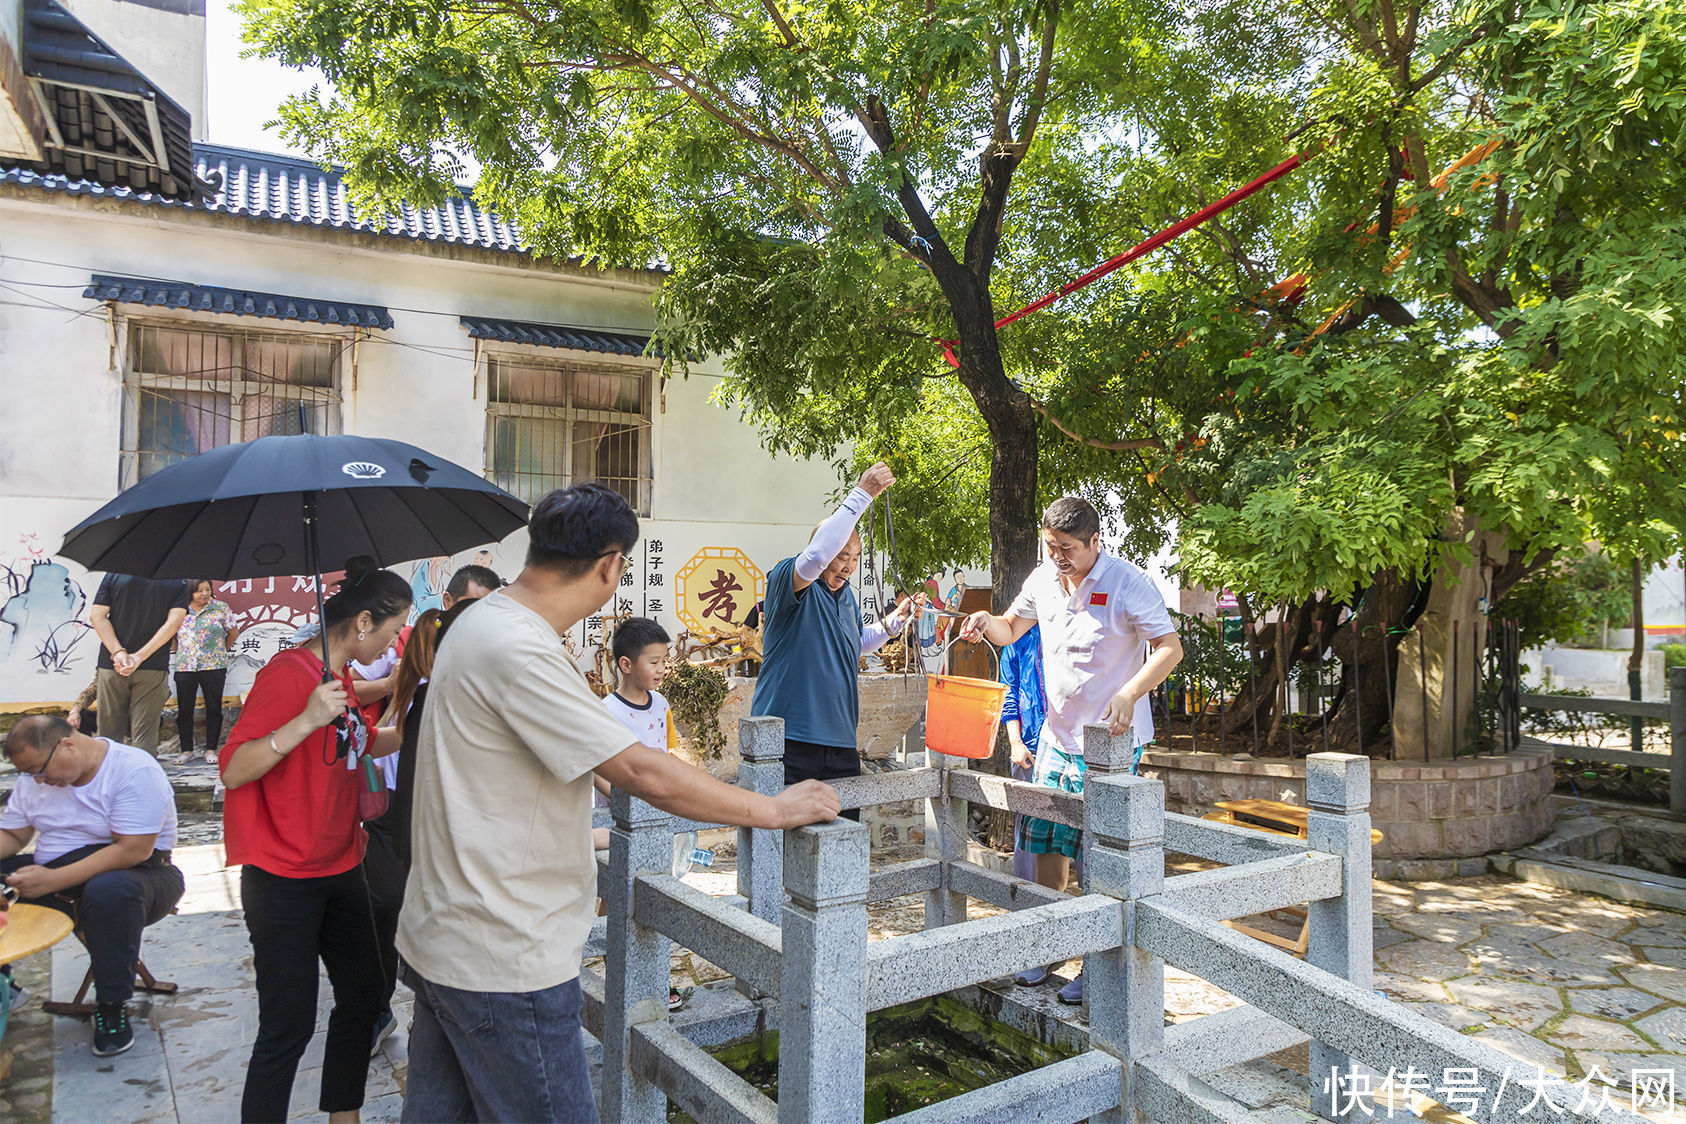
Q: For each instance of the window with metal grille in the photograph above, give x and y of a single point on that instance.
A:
(551, 423)
(191, 388)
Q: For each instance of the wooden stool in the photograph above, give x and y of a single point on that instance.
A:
(1274, 818)
(81, 1008)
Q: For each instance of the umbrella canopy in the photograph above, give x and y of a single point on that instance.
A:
(242, 511)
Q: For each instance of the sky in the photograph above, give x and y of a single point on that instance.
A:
(244, 93)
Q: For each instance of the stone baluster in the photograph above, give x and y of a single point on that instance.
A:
(760, 850)
(1124, 853)
(636, 968)
(945, 839)
(1337, 789)
(1105, 756)
(822, 989)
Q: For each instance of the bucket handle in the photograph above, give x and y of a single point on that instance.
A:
(996, 652)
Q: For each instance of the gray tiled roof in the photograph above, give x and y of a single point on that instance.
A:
(554, 335)
(234, 302)
(109, 123)
(286, 189)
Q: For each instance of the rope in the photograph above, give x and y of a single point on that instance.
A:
(1140, 249)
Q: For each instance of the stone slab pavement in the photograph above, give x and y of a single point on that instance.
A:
(1591, 989)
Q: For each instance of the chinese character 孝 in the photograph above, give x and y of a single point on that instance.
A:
(717, 599)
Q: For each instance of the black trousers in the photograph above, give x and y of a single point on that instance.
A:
(809, 761)
(111, 909)
(189, 684)
(387, 875)
(293, 922)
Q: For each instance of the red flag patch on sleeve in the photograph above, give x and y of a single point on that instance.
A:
(1097, 599)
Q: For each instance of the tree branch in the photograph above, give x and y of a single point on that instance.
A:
(1125, 446)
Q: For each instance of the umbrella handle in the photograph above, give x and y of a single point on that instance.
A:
(313, 558)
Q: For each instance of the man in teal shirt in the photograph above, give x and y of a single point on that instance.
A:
(813, 640)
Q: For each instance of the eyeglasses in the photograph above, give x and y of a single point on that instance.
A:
(626, 559)
(44, 764)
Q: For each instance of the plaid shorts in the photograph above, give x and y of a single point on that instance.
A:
(1054, 769)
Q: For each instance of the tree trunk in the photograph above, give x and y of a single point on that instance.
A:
(1365, 678)
(1007, 410)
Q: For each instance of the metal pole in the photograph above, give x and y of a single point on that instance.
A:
(1457, 733)
(1193, 718)
(1322, 710)
(1387, 685)
(1677, 738)
(1636, 660)
(1491, 695)
(1223, 736)
(1422, 680)
(1357, 687)
(1253, 683)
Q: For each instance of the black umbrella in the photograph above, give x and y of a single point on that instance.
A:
(277, 505)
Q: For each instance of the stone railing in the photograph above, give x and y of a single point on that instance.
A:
(797, 930)
(1673, 712)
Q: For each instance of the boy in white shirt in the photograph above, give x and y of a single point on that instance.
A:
(640, 650)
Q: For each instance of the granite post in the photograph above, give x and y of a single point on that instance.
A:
(945, 840)
(822, 988)
(1124, 849)
(1337, 789)
(760, 849)
(636, 968)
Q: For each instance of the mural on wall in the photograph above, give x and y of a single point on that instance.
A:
(267, 611)
(42, 615)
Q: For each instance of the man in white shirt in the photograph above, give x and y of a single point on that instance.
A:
(1107, 641)
(503, 879)
(103, 819)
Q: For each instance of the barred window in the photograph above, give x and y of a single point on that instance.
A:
(553, 423)
(192, 388)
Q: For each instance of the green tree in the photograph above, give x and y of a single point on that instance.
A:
(833, 184)
(1466, 378)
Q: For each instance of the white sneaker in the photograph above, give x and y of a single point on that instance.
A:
(19, 996)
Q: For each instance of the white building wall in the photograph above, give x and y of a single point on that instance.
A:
(714, 486)
(163, 39)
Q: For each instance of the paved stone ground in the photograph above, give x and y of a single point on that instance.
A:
(1569, 982)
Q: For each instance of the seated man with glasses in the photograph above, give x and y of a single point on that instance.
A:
(103, 819)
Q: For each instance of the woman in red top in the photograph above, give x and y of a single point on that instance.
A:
(290, 821)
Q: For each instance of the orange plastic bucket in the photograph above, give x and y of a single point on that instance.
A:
(962, 714)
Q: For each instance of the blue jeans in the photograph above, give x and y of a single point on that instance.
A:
(497, 1055)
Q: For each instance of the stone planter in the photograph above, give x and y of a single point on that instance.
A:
(1437, 819)
(890, 707)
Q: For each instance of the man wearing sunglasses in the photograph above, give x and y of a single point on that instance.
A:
(103, 819)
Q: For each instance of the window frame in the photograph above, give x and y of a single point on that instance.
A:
(135, 381)
(565, 362)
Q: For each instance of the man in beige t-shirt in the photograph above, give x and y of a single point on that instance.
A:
(502, 883)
